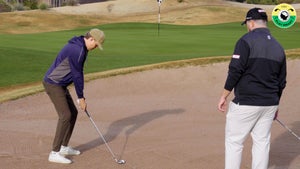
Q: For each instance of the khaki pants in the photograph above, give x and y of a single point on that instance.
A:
(67, 114)
(240, 122)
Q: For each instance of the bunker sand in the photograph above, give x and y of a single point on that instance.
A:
(162, 118)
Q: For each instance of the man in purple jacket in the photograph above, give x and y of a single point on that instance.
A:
(66, 69)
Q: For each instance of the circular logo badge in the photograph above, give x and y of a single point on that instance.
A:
(284, 15)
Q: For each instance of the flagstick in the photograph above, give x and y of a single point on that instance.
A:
(158, 26)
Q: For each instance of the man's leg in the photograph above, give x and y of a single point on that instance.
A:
(58, 97)
(261, 135)
(239, 122)
(72, 121)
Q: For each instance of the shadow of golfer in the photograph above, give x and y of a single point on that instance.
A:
(285, 148)
(129, 124)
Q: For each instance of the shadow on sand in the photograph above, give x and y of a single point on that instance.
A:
(129, 124)
(285, 148)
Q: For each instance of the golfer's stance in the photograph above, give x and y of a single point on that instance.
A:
(257, 73)
(66, 69)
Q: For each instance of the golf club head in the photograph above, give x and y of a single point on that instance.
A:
(120, 161)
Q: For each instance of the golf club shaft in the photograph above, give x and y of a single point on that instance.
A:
(101, 135)
(288, 129)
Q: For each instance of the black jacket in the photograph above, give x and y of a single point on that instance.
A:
(257, 70)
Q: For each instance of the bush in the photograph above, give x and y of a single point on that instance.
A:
(72, 2)
(268, 2)
(265, 2)
(32, 4)
(18, 7)
(285, 1)
(4, 7)
(43, 6)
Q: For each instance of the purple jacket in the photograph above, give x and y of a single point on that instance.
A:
(68, 66)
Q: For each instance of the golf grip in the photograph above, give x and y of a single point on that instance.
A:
(101, 135)
(283, 125)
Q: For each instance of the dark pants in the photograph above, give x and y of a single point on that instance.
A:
(66, 111)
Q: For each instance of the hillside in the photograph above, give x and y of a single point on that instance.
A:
(196, 12)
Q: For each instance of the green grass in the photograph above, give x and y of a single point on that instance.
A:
(25, 58)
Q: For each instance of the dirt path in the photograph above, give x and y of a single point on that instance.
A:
(163, 118)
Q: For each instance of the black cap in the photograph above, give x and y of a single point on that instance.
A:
(256, 14)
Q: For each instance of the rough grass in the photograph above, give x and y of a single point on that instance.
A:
(191, 12)
(23, 22)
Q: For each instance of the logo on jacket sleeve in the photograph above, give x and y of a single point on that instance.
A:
(235, 56)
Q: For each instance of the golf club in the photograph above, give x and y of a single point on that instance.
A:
(119, 161)
(288, 129)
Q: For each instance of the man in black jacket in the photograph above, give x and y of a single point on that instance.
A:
(257, 73)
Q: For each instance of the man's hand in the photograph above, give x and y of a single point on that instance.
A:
(222, 106)
(82, 104)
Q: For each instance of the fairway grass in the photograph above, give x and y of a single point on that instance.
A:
(24, 58)
(25, 90)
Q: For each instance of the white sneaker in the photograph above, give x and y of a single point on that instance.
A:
(56, 157)
(68, 151)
